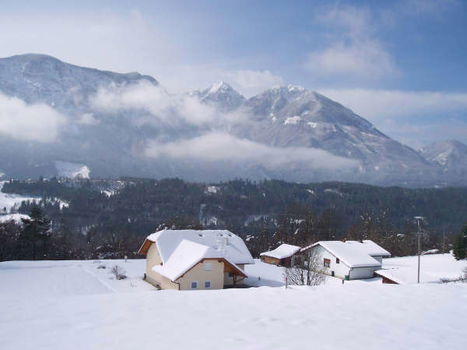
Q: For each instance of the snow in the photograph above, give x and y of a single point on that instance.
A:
(184, 257)
(353, 255)
(370, 248)
(283, 251)
(73, 305)
(230, 245)
(72, 170)
(212, 189)
(16, 217)
(292, 120)
(11, 201)
(433, 268)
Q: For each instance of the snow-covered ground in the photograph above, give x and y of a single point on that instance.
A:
(433, 268)
(72, 170)
(9, 202)
(77, 305)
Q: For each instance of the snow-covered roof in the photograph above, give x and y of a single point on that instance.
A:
(434, 267)
(352, 254)
(281, 252)
(227, 244)
(371, 248)
(180, 250)
(185, 256)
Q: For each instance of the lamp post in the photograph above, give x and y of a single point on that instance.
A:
(419, 232)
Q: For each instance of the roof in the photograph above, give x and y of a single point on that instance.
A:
(283, 251)
(434, 267)
(180, 250)
(185, 256)
(371, 248)
(351, 253)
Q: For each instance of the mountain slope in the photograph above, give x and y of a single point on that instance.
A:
(451, 156)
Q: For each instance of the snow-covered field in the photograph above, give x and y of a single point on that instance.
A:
(76, 305)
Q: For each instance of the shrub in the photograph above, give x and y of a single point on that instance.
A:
(118, 272)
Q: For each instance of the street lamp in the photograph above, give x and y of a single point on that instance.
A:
(419, 232)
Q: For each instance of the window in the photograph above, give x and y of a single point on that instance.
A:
(230, 274)
(207, 284)
(207, 266)
(194, 285)
(337, 261)
(327, 262)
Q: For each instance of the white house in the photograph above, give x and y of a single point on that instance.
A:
(195, 259)
(348, 260)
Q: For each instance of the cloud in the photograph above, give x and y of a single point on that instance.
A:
(34, 122)
(251, 82)
(154, 100)
(354, 52)
(396, 104)
(114, 41)
(412, 117)
(219, 146)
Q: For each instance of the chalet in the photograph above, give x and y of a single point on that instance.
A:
(195, 259)
(281, 256)
(348, 260)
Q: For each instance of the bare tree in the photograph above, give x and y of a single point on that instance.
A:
(118, 272)
(305, 270)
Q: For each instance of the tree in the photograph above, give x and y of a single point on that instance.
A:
(35, 234)
(305, 270)
(460, 244)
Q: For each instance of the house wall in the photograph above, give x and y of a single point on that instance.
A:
(152, 259)
(358, 273)
(340, 270)
(197, 273)
(270, 260)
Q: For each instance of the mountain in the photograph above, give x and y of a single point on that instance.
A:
(222, 96)
(294, 116)
(114, 124)
(451, 156)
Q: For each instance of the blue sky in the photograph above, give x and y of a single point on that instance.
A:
(400, 64)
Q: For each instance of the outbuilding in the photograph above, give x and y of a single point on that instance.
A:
(281, 256)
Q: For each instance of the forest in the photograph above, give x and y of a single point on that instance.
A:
(98, 218)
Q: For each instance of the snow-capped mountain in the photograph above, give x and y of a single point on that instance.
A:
(221, 95)
(451, 156)
(114, 124)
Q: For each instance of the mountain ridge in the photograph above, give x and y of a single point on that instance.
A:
(112, 135)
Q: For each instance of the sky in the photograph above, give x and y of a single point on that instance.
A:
(399, 64)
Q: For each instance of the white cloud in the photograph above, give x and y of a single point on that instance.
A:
(161, 106)
(218, 146)
(354, 52)
(363, 59)
(101, 39)
(88, 119)
(396, 104)
(251, 82)
(35, 122)
(154, 100)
